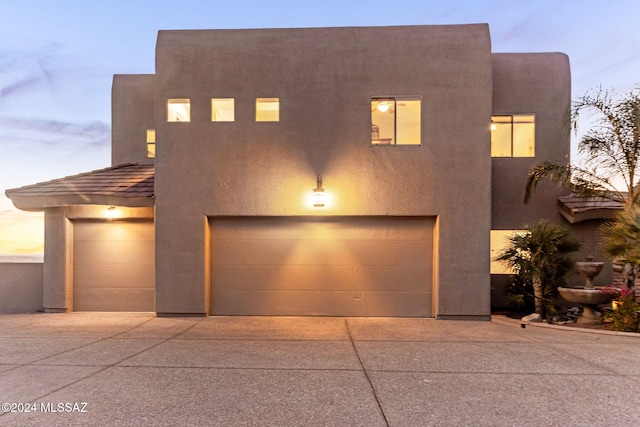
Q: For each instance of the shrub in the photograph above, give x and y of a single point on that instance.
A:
(541, 259)
(624, 317)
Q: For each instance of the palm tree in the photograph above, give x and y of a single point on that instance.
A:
(621, 238)
(542, 257)
(611, 150)
(610, 169)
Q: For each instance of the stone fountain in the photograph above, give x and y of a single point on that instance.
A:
(589, 296)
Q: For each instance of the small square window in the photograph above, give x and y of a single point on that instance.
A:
(223, 110)
(513, 135)
(395, 121)
(151, 143)
(179, 110)
(267, 109)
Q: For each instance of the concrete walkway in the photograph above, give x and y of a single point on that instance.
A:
(137, 369)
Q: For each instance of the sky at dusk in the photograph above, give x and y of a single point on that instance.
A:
(57, 59)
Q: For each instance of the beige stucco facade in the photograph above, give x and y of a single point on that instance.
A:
(419, 215)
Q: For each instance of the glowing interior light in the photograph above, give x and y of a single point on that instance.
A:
(493, 126)
(383, 107)
(318, 194)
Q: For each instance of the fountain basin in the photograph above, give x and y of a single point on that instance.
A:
(592, 296)
(590, 299)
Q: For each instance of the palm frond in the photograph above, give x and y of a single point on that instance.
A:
(557, 173)
(611, 149)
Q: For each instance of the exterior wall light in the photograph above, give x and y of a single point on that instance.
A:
(318, 194)
(111, 212)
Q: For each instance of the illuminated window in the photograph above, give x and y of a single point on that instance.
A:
(395, 121)
(499, 241)
(179, 110)
(151, 143)
(513, 136)
(267, 109)
(223, 110)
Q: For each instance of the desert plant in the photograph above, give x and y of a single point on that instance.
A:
(541, 258)
(621, 237)
(624, 317)
(610, 150)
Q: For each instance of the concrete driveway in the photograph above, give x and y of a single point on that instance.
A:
(137, 369)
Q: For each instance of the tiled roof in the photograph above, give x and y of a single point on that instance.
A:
(129, 184)
(577, 208)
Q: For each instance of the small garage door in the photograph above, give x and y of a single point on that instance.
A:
(362, 266)
(113, 266)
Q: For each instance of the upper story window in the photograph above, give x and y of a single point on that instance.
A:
(223, 110)
(179, 110)
(513, 135)
(267, 109)
(151, 143)
(395, 120)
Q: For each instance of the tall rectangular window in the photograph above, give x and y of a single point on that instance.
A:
(267, 109)
(395, 121)
(513, 135)
(151, 143)
(179, 110)
(223, 110)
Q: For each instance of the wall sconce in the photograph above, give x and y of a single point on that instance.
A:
(111, 212)
(318, 194)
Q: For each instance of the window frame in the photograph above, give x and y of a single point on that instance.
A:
(513, 122)
(395, 100)
(233, 110)
(172, 114)
(266, 100)
(151, 142)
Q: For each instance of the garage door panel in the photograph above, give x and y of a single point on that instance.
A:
(102, 276)
(114, 252)
(321, 229)
(289, 303)
(321, 252)
(400, 279)
(398, 304)
(353, 266)
(113, 230)
(333, 303)
(292, 277)
(286, 277)
(114, 299)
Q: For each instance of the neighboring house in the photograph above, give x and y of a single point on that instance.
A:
(420, 137)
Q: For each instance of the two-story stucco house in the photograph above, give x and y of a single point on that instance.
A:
(318, 171)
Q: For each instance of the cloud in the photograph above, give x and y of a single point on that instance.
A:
(23, 133)
(19, 85)
(49, 81)
(22, 69)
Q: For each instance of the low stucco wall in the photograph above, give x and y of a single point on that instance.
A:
(20, 287)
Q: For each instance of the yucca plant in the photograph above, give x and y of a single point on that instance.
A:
(541, 258)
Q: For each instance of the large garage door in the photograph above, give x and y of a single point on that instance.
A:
(362, 266)
(113, 266)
